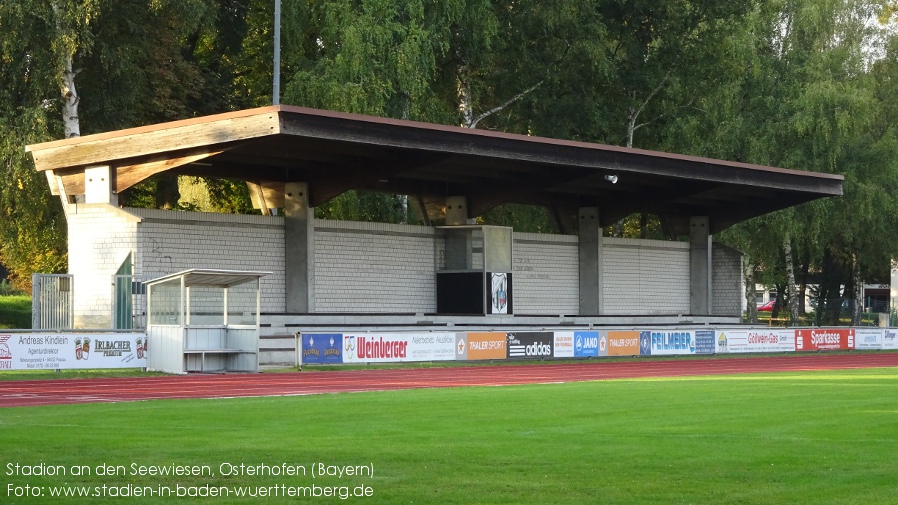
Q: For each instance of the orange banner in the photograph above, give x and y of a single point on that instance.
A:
(623, 343)
(489, 345)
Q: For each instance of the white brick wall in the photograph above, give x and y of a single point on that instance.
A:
(374, 267)
(100, 238)
(645, 276)
(727, 280)
(172, 241)
(546, 275)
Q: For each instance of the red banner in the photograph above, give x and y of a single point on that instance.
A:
(824, 339)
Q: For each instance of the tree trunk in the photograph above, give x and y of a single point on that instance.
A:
(465, 97)
(857, 303)
(751, 310)
(70, 96)
(791, 293)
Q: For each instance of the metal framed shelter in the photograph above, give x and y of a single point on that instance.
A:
(296, 159)
(195, 323)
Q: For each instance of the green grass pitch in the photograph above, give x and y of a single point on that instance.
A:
(791, 438)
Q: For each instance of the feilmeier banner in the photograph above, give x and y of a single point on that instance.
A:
(51, 351)
(389, 347)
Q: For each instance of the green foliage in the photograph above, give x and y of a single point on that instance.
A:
(15, 308)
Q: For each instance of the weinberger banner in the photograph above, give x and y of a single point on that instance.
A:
(65, 351)
(824, 339)
(393, 347)
(760, 340)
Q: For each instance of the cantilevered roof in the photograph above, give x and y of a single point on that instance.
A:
(211, 277)
(335, 152)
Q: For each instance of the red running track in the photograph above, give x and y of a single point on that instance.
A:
(52, 392)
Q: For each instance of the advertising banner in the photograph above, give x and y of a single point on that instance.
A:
(669, 342)
(484, 345)
(537, 344)
(50, 351)
(704, 341)
(890, 339)
(824, 339)
(868, 338)
(322, 348)
(392, 347)
(586, 344)
(564, 344)
(499, 296)
(645, 343)
(761, 340)
(622, 343)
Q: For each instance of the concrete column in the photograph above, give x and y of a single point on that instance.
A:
(99, 185)
(590, 248)
(299, 248)
(700, 293)
(456, 210)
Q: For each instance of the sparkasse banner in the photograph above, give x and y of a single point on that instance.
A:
(824, 339)
(51, 351)
(390, 347)
(760, 340)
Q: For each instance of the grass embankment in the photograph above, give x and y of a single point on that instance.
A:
(15, 312)
(815, 437)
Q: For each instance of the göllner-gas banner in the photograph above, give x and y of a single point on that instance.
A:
(761, 340)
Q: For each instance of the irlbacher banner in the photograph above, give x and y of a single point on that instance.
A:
(824, 339)
(50, 351)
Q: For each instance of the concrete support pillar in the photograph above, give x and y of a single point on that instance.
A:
(99, 185)
(590, 248)
(456, 210)
(299, 248)
(700, 293)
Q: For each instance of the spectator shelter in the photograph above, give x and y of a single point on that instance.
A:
(204, 321)
(332, 272)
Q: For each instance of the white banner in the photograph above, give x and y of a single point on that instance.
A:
(890, 338)
(391, 347)
(50, 351)
(868, 338)
(671, 342)
(736, 341)
(564, 344)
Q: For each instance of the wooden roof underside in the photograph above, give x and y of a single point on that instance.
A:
(336, 152)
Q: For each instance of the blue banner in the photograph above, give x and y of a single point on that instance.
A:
(586, 343)
(645, 343)
(322, 348)
(704, 342)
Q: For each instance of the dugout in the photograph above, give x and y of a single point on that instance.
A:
(204, 321)
(335, 273)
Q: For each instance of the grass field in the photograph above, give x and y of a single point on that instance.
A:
(817, 437)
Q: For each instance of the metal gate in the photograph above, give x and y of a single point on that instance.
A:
(52, 302)
(129, 303)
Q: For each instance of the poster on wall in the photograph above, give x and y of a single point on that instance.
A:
(393, 347)
(868, 338)
(824, 339)
(322, 348)
(500, 293)
(760, 340)
(67, 351)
